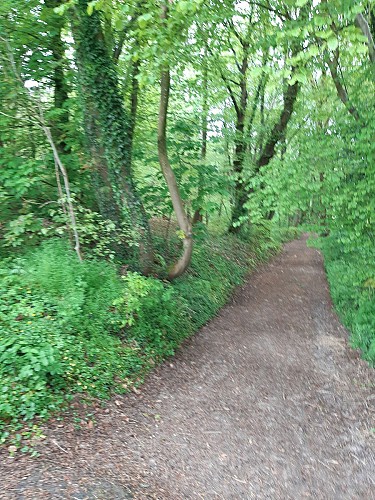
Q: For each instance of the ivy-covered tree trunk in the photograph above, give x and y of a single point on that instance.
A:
(107, 132)
(133, 102)
(56, 24)
(239, 195)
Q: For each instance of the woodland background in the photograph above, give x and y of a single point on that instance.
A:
(150, 154)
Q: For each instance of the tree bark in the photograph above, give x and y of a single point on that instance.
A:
(198, 217)
(279, 128)
(182, 219)
(133, 103)
(240, 195)
(363, 25)
(77, 246)
(57, 47)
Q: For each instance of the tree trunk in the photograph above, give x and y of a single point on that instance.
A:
(240, 195)
(133, 102)
(198, 217)
(107, 130)
(363, 25)
(340, 89)
(181, 265)
(69, 202)
(259, 97)
(57, 47)
(279, 128)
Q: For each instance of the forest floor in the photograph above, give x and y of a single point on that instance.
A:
(267, 401)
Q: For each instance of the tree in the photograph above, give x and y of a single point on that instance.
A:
(107, 129)
(183, 221)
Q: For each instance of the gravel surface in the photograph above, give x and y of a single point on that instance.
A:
(267, 401)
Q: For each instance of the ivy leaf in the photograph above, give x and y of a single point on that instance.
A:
(301, 3)
(90, 7)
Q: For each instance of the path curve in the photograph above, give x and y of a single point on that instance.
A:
(265, 402)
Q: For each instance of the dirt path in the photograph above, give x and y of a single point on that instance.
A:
(265, 402)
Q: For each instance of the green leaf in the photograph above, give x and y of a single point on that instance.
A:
(325, 34)
(119, 24)
(183, 6)
(295, 32)
(143, 20)
(313, 51)
(332, 43)
(90, 8)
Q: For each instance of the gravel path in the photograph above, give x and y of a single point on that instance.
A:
(265, 402)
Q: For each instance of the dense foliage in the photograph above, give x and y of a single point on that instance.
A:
(134, 136)
(353, 290)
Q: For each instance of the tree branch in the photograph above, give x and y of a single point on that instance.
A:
(362, 24)
(235, 55)
(232, 96)
(279, 128)
(341, 92)
(270, 9)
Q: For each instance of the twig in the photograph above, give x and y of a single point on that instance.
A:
(325, 465)
(35, 109)
(61, 448)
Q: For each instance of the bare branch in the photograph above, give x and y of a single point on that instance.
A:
(36, 113)
(64, 173)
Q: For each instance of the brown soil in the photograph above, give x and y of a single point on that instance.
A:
(267, 402)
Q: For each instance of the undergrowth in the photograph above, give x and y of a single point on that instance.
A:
(351, 276)
(68, 327)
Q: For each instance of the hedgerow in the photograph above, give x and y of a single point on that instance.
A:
(351, 276)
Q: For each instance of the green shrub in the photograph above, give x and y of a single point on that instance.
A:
(351, 275)
(56, 317)
(155, 316)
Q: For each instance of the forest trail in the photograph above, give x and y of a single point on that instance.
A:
(265, 402)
